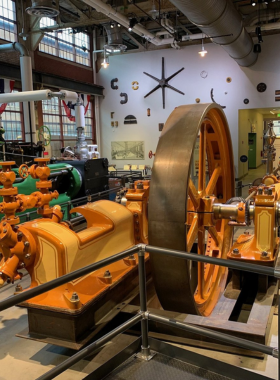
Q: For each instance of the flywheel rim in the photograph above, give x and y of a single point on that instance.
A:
(168, 200)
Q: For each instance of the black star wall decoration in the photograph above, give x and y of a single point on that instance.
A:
(163, 83)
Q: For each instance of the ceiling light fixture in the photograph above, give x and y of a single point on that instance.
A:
(105, 62)
(253, 3)
(154, 12)
(202, 52)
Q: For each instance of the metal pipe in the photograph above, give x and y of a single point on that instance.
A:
(232, 340)
(110, 12)
(15, 46)
(219, 18)
(269, 164)
(27, 85)
(272, 26)
(12, 301)
(25, 96)
(77, 221)
(38, 95)
(145, 348)
(65, 25)
(247, 267)
(261, 15)
(90, 349)
(251, 196)
(16, 154)
(52, 175)
(28, 105)
(82, 199)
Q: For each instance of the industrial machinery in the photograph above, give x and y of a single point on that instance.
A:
(72, 179)
(47, 248)
(268, 158)
(170, 212)
(202, 218)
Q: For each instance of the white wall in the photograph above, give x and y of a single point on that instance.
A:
(130, 67)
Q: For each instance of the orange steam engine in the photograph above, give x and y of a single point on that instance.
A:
(48, 248)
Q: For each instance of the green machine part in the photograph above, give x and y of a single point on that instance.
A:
(73, 181)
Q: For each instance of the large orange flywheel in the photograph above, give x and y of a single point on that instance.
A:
(193, 168)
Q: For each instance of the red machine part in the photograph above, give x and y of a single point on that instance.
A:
(151, 154)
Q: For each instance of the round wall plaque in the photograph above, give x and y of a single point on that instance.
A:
(261, 87)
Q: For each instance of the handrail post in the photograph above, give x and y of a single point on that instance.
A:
(145, 353)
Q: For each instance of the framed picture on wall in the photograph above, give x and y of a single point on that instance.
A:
(123, 150)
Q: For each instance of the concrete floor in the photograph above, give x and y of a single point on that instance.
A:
(27, 360)
(267, 366)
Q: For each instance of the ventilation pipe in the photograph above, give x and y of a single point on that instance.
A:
(114, 37)
(43, 8)
(217, 18)
(27, 85)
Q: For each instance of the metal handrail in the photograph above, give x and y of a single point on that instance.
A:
(25, 295)
(144, 315)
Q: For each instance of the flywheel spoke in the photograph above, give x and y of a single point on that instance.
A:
(213, 232)
(202, 160)
(213, 180)
(193, 194)
(192, 233)
(200, 266)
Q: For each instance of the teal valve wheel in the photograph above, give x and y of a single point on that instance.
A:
(44, 135)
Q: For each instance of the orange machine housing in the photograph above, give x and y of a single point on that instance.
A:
(47, 248)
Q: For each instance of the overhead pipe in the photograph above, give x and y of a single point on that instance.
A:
(169, 25)
(28, 96)
(110, 12)
(220, 18)
(26, 85)
(15, 46)
(271, 26)
(261, 15)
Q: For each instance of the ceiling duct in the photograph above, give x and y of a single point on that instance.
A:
(113, 30)
(43, 8)
(219, 18)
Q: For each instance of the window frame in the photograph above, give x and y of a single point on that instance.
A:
(66, 141)
(11, 21)
(58, 41)
(21, 120)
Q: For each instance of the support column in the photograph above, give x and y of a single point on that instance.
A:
(28, 107)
